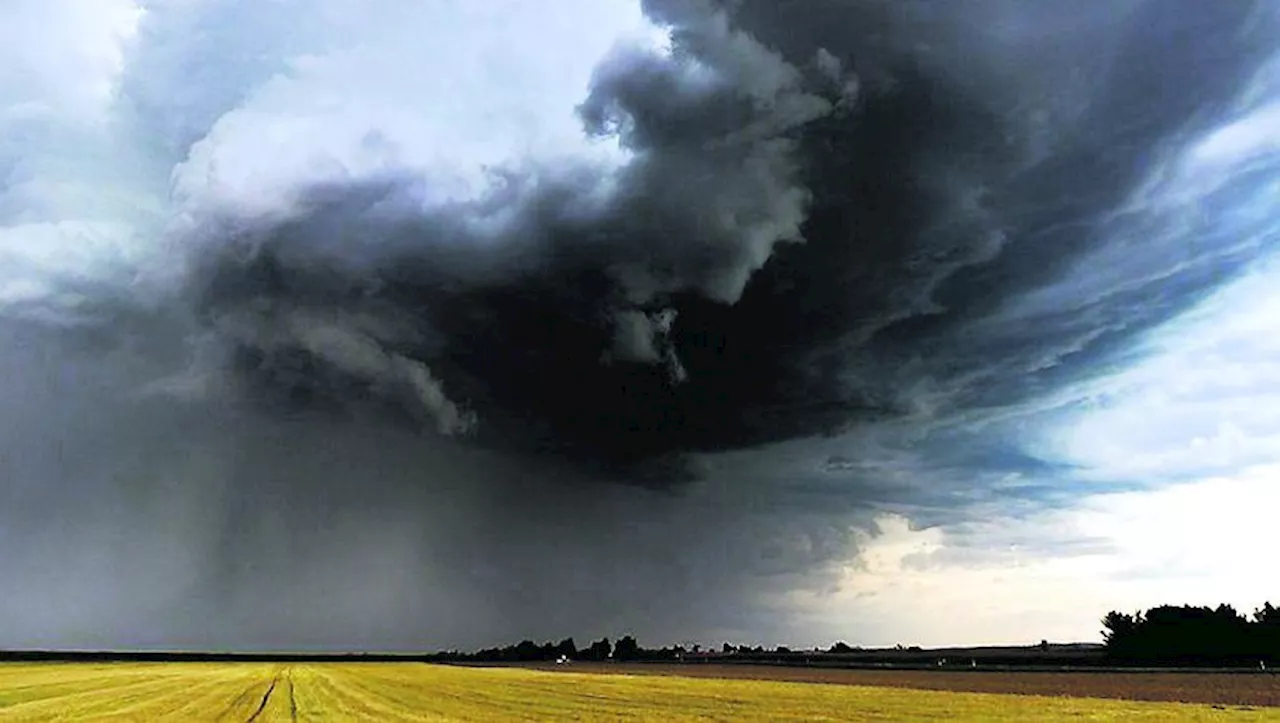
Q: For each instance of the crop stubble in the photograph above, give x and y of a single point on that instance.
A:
(417, 692)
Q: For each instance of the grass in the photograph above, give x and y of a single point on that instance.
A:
(415, 692)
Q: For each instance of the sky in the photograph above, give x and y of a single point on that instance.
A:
(452, 324)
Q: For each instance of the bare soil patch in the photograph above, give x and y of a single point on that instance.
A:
(1226, 689)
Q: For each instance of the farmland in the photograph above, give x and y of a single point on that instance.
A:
(1220, 687)
(263, 691)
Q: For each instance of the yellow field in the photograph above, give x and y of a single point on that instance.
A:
(408, 691)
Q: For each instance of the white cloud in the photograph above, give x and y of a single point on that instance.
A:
(444, 90)
(60, 59)
(1054, 574)
(118, 122)
(1257, 134)
(897, 592)
(1205, 397)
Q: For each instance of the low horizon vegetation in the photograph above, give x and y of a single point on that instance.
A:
(1164, 635)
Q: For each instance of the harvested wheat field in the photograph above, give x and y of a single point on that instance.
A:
(409, 692)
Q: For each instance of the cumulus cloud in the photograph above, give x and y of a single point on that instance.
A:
(432, 285)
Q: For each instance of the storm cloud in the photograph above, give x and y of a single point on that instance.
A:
(783, 237)
(660, 351)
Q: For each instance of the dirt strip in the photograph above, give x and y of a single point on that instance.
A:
(1228, 689)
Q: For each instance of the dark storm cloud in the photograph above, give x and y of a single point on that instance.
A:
(825, 205)
(853, 247)
(201, 523)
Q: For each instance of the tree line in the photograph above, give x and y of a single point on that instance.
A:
(1167, 635)
(1189, 635)
(528, 651)
(625, 649)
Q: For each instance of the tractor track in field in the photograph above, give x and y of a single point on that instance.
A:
(262, 704)
(293, 702)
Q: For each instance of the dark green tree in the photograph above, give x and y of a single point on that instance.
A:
(1188, 635)
(1119, 629)
(599, 650)
(626, 649)
(527, 650)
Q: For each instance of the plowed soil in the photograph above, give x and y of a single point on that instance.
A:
(1226, 688)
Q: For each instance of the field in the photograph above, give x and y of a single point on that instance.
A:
(411, 691)
(1221, 688)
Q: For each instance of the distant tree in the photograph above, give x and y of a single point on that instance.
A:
(567, 648)
(626, 649)
(599, 650)
(782, 649)
(1266, 622)
(1186, 634)
(1118, 628)
(527, 650)
(728, 648)
(840, 647)
(1267, 615)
